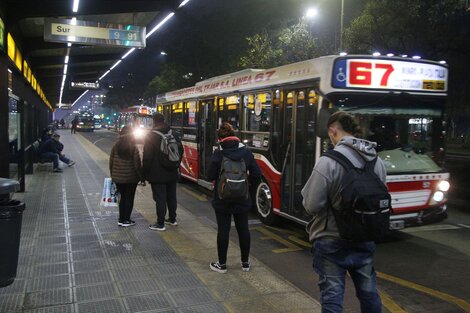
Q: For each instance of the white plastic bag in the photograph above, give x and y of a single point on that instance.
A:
(110, 195)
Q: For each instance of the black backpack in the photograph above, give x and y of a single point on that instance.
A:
(233, 180)
(364, 214)
(171, 150)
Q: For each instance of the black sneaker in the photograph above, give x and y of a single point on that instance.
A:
(57, 170)
(219, 268)
(132, 222)
(246, 266)
(125, 224)
(72, 163)
(169, 222)
(157, 227)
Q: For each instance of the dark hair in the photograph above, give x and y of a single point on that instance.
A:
(158, 118)
(347, 122)
(226, 130)
(125, 145)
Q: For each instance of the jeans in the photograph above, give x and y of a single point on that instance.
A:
(165, 195)
(224, 223)
(54, 157)
(331, 259)
(126, 204)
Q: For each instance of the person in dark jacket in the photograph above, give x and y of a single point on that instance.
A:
(232, 148)
(125, 168)
(75, 121)
(51, 150)
(162, 179)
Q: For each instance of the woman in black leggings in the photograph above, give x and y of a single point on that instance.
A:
(232, 150)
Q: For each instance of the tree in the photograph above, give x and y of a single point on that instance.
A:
(291, 44)
(172, 76)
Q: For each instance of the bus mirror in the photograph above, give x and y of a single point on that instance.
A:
(322, 125)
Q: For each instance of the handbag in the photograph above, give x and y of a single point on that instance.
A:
(110, 195)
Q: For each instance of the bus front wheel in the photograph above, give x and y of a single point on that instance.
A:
(264, 204)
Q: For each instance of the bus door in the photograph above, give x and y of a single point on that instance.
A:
(207, 135)
(298, 147)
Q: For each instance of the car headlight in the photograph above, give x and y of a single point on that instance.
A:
(138, 132)
(443, 185)
(438, 196)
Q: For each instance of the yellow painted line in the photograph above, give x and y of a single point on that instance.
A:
(389, 304)
(290, 247)
(200, 197)
(464, 305)
(299, 241)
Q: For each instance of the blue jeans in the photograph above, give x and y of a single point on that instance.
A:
(54, 157)
(332, 257)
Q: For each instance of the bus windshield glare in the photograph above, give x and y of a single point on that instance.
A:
(408, 132)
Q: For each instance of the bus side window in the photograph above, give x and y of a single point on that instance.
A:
(257, 119)
(229, 111)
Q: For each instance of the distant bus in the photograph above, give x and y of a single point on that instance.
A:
(139, 118)
(86, 122)
(281, 114)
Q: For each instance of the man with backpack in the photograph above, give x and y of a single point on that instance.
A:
(348, 199)
(234, 170)
(161, 161)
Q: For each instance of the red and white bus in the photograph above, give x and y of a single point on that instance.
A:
(280, 115)
(138, 117)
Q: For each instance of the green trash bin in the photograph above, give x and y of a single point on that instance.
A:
(11, 216)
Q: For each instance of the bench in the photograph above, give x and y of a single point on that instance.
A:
(37, 158)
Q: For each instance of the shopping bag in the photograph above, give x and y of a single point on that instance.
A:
(110, 195)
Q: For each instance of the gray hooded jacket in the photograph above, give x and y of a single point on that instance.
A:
(324, 183)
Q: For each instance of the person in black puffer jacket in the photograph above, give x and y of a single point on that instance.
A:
(233, 149)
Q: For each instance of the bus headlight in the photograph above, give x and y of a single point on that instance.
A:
(443, 185)
(138, 133)
(438, 196)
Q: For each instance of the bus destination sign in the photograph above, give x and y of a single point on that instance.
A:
(93, 33)
(390, 75)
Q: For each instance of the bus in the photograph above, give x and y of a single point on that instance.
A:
(138, 117)
(281, 115)
(86, 122)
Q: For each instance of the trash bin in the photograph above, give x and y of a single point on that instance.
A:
(11, 216)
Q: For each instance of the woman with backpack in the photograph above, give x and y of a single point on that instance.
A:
(126, 171)
(234, 169)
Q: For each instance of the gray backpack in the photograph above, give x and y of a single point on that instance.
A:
(233, 180)
(170, 150)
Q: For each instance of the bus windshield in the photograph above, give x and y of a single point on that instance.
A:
(408, 130)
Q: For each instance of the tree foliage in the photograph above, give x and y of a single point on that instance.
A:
(291, 44)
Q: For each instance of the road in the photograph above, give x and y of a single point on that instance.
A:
(420, 269)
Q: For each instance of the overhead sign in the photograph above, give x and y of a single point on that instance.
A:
(84, 85)
(64, 106)
(390, 74)
(93, 33)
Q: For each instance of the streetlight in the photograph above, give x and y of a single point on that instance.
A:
(163, 53)
(311, 13)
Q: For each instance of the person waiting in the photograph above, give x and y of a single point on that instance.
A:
(51, 150)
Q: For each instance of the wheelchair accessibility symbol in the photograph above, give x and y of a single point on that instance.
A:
(340, 77)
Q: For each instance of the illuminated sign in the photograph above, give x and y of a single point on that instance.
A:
(64, 106)
(84, 85)
(389, 74)
(2, 34)
(93, 33)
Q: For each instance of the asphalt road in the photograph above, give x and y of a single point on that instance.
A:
(420, 269)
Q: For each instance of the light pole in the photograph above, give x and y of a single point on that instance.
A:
(341, 27)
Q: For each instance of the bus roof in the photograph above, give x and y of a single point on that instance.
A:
(353, 73)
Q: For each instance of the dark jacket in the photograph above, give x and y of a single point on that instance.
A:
(154, 171)
(233, 150)
(125, 170)
(50, 145)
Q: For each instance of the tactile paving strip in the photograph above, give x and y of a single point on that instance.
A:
(47, 298)
(148, 302)
(104, 306)
(95, 292)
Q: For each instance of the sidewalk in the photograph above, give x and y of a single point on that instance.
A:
(74, 258)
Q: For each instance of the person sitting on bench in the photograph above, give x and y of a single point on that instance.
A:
(51, 150)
